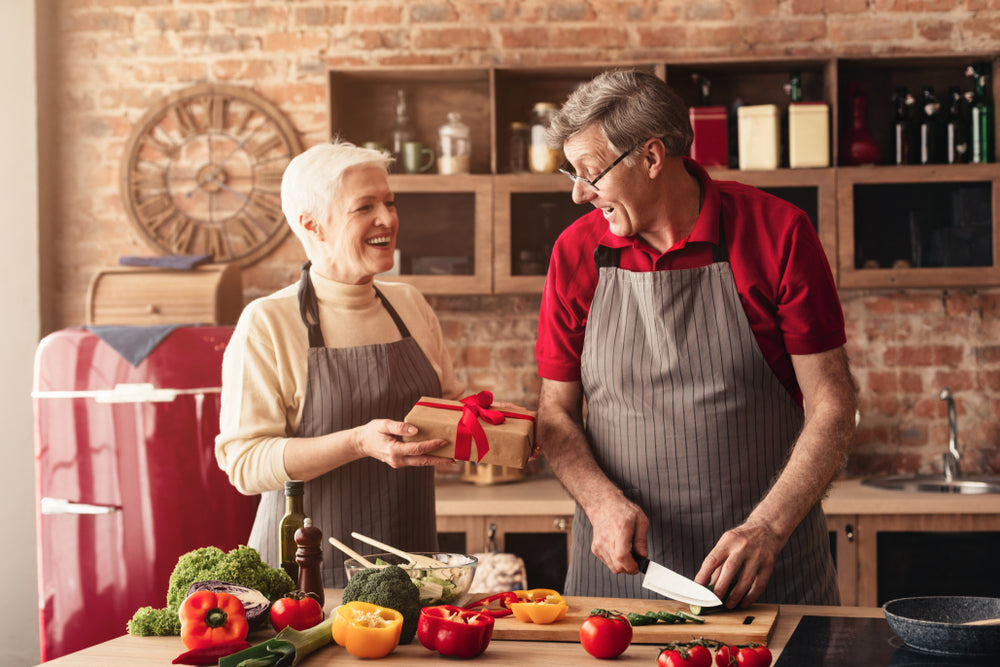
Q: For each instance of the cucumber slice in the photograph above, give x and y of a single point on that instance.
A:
(694, 618)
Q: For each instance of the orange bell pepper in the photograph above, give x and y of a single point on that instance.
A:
(539, 605)
(209, 618)
(367, 630)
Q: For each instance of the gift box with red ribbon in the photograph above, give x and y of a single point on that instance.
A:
(475, 431)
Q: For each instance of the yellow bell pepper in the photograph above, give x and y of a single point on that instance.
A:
(367, 630)
(539, 605)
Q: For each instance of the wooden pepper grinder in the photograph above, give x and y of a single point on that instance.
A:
(309, 556)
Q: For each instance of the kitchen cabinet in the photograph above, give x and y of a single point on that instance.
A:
(891, 544)
(491, 231)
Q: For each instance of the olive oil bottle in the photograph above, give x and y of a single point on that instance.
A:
(291, 522)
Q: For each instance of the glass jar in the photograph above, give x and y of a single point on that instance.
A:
(518, 148)
(542, 158)
(454, 146)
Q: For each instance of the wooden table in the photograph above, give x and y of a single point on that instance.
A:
(129, 651)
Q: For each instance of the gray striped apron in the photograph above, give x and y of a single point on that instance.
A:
(349, 387)
(685, 415)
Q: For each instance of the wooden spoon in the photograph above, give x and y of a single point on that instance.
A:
(415, 559)
(984, 621)
(352, 553)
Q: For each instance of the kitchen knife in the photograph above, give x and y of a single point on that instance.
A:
(666, 582)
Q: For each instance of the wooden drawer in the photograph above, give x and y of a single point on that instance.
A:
(208, 294)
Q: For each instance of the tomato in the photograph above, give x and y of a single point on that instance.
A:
(726, 656)
(765, 654)
(692, 656)
(605, 634)
(756, 656)
(301, 612)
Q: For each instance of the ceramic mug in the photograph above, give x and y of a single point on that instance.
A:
(417, 157)
(373, 145)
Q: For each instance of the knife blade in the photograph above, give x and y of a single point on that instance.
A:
(664, 581)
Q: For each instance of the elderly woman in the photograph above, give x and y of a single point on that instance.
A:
(319, 375)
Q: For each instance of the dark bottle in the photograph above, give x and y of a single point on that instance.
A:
(932, 139)
(402, 128)
(309, 557)
(956, 132)
(291, 522)
(904, 130)
(795, 87)
(981, 130)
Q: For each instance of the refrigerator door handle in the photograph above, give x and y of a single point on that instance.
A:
(64, 506)
(140, 392)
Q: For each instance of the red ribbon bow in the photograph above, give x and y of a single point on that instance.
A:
(474, 408)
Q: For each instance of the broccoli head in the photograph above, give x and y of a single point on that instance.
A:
(388, 587)
(241, 566)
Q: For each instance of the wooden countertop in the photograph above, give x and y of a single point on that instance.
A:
(545, 496)
(129, 651)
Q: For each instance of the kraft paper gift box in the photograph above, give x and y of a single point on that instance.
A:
(474, 431)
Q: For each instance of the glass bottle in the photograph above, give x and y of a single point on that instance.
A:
(542, 158)
(931, 128)
(857, 145)
(402, 127)
(454, 146)
(291, 522)
(956, 131)
(982, 117)
(903, 128)
(518, 147)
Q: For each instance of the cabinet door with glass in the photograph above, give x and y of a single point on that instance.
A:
(444, 200)
(918, 226)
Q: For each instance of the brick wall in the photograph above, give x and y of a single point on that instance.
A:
(105, 61)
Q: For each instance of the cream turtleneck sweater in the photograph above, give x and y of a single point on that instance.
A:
(264, 367)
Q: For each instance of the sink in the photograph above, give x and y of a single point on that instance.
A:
(966, 484)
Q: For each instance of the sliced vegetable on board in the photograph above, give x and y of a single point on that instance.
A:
(503, 600)
(539, 605)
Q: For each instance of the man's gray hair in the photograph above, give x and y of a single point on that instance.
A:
(631, 107)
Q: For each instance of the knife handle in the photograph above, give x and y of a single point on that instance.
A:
(642, 561)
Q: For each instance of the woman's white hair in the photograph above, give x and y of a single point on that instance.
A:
(311, 179)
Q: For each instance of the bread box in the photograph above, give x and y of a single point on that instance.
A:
(143, 296)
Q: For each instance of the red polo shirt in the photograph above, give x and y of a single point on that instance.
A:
(782, 277)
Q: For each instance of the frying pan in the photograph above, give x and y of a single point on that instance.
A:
(937, 624)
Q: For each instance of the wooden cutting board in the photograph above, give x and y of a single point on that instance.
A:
(743, 626)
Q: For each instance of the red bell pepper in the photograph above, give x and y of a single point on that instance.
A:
(454, 631)
(209, 618)
(504, 599)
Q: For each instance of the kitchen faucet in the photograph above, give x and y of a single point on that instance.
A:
(951, 457)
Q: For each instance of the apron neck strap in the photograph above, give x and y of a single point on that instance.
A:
(309, 309)
(400, 325)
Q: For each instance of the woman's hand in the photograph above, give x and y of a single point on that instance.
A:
(381, 439)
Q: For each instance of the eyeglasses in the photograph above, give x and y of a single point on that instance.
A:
(567, 167)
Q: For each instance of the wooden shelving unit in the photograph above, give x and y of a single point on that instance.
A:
(496, 226)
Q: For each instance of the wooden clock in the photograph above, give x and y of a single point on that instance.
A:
(202, 173)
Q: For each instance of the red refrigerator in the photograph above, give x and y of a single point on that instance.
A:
(126, 477)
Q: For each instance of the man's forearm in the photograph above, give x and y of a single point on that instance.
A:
(565, 447)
